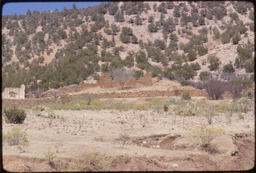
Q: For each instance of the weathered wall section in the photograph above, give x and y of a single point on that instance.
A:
(19, 102)
(77, 88)
(153, 93)
(14, 93)
(106, 81)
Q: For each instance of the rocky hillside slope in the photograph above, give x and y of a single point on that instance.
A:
(175, 40)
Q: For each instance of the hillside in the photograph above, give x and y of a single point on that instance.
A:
(175, 40)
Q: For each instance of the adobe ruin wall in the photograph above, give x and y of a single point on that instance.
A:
(14, 93)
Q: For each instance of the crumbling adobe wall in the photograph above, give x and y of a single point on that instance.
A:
(106, 81)
(18, 102)
(146, 80)
(76, 87)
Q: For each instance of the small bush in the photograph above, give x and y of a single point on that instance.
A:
(186, 108)
(195, 66)
(165, 108)
(191, 55)
(236, 38)
(169, 74)
(185, 72)
(186, 96)
(244, 104)
(184, 83)
(202, 50)
(204, 76)
(225, 37)
(15, 115)
(90, 162)
(214, 63)
(228, 68)
(206, 134)
(138, 74)
(249, 66)
(50, 157)
(235, 90)
(16, 137)
(215, 88)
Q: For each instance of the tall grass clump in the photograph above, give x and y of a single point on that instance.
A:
(206, 134)
(16, 137)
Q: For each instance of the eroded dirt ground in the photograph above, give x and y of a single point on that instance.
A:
(130, 140)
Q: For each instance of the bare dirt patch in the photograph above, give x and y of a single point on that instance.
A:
(137, 140)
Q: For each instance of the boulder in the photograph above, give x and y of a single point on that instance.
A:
(224, 144)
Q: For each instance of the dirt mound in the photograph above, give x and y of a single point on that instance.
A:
(25, 164)
(242, 160)
(163, 141)
(126, 163)
(185, 143)
(168, 141)
(246, 146)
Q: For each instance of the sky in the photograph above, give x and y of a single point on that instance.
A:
(22, 7)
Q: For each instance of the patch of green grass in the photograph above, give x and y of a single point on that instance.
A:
(140, 106)
(176, 104)
(121, 106)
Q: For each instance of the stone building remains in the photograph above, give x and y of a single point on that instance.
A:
(106, 81)
(14, 93)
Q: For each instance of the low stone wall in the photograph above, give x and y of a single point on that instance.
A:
(152, 93)
(22, 102)
(77, 88)
(34, 101)
(193, 93)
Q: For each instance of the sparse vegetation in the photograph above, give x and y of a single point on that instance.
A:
(190, 48)
(206, 134)
(16, 137)
(50, 156)
(244, 104)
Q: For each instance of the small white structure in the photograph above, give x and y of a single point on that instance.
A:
(14, 93)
